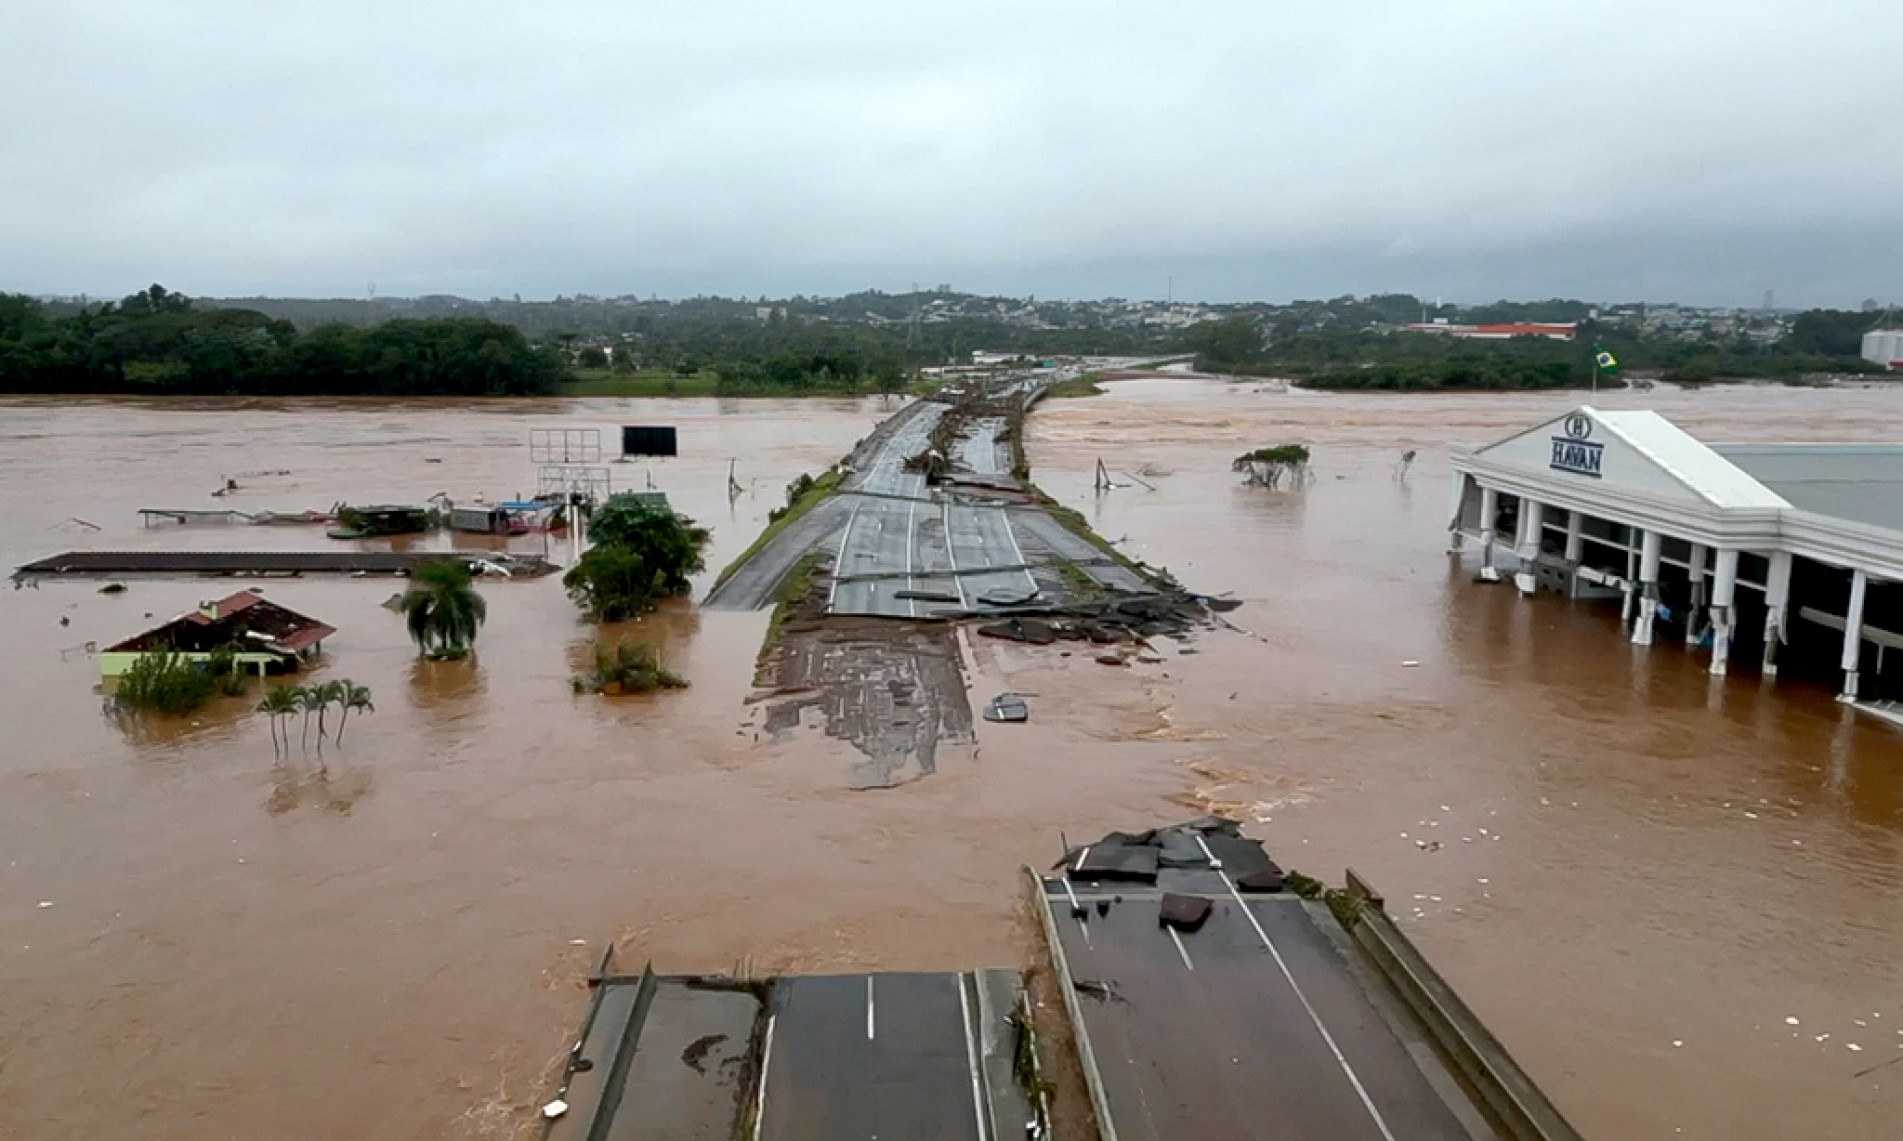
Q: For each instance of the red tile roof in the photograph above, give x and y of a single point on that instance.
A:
(239, 614)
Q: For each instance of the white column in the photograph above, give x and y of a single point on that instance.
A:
(1724, 591)
(1489, 511)
(1650, 548)
(1853, 634)
(1631, 575)
(1700, 555)
(1460, 505)
(1777, 596)
(1532, 525)
(1575, 550)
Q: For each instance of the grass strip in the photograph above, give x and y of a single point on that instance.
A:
(822, 489)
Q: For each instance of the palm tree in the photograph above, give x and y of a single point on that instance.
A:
(310, 699)
(279, 702)
(443, 610)
(326, 693)
(354, 697)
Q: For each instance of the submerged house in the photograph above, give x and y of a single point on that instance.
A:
(267, 637)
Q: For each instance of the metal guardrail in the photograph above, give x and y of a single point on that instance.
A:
(1505, 1091)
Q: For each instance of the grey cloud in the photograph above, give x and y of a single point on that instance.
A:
(1695, 150)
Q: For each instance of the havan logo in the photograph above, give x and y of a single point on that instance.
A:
(1581, 457)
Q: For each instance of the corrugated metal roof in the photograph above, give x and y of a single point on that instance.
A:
(1862, 483)
(1696, 464)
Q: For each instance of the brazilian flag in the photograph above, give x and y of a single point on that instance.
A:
(1606, 361)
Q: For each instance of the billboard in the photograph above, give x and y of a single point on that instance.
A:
(648, 441)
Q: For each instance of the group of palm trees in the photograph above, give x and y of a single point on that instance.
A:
(287, 701)
(443, 613)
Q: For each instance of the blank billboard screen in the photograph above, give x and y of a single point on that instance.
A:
(648, 441)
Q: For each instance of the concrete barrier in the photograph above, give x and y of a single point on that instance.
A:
(1503, 1089)
(1067, 986)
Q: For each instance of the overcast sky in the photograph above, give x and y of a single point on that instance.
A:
(1606, 149)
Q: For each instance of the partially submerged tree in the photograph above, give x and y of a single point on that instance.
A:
(1268, 467)
(352, 696)
(443, 610)
(311, 699)
(642, 554)
(164, 680)
(279, 703)
(627, 667)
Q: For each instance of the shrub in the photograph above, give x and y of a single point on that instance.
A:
(226, 670)
(627, 667)
(166, 681)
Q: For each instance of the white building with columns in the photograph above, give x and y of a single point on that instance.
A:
(1794, 551)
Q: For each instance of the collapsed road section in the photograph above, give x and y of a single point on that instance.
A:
(1207, 1002)
(899, 1057)
(933, 521)
(932, 516)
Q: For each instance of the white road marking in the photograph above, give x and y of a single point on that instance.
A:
(1077, 910)
(911, 604)
(1075, 907)
(1353, 1078)
(971, 1062)
(1207, 854)
(869, 1018)
(1004, 517)
(766, 1059)
(1180, 949)
(839, 564)
(958, 583)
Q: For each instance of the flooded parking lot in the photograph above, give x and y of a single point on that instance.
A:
(1636, 874)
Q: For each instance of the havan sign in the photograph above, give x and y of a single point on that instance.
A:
(1577, 451)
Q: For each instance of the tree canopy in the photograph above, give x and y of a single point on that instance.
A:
(642, 553)
(442, 610)
(158, 342)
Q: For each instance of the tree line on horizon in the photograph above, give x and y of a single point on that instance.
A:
(160, 343)
(1344, 356)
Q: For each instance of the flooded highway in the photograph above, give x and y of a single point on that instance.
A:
(1637, 874)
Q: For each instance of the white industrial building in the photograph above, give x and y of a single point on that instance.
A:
(1884, 347)
(1790, 552)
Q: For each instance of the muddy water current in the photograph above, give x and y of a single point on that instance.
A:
(1636, 874)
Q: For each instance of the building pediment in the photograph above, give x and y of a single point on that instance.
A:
(1639, 454)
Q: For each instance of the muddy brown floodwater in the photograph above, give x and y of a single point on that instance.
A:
(1643, 873)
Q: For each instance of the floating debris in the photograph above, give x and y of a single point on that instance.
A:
(1007, 707)
(1183, 912)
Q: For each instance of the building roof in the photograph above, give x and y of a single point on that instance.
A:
(1862, 483)
(1837, 504)
(1695, 464)
(246, 617)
